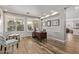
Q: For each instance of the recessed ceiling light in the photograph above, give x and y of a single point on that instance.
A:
(54, 13)
(41, 17)
(76, 8)
(47, 15)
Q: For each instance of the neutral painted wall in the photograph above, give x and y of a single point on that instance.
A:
(72, 13)
(1, 22)
(57, 32)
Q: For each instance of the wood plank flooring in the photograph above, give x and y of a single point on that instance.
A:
(72, 44)
(28, 46)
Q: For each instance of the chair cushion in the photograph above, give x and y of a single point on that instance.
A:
(11, 42)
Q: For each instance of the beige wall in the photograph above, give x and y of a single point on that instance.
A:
(1, 22)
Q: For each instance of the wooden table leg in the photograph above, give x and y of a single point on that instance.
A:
(1, 47)
(12, 48)
(5, 48)
(17, 45)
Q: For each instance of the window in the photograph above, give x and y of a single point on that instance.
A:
(14, 23)
(11, 25)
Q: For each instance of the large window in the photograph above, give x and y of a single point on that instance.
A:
(14, 23)
(11, 25)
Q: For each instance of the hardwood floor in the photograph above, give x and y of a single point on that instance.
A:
(72, 44)
(28, 45)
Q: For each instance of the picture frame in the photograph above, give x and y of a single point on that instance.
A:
(55, 22)
(11, 24)
(48, 23)
(77, 25)
(30, 28)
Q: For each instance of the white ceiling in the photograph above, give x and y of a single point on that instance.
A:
(34, 10)
(72, 12)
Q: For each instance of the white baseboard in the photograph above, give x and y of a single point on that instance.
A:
(57, 39)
